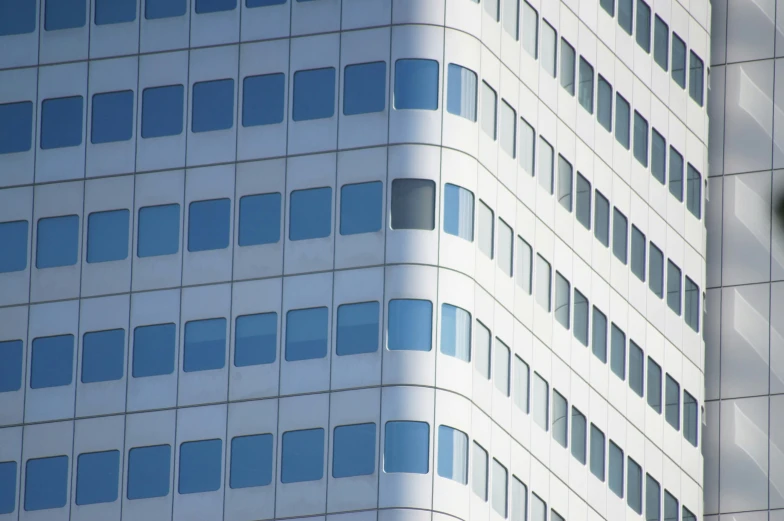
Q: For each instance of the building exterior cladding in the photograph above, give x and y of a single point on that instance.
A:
(743, 375)
(365, 260)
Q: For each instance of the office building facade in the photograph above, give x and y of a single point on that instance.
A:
(352, 259)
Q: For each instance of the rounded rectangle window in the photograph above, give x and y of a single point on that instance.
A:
(416, 84)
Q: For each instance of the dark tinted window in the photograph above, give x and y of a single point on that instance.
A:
(205, 345)
(263, 3)
(636, 371)
(148, 471)
(585, 94)
(307, 334)
(601, 221)
(251, 461)
(57, 242)
(214, 6)
(654, 391)
(17, 17)
(208, 224)
(634, 480)
(643, 30)
(314, 94)
(690, 418)
(114, 11)
(159, 230)
(113, 115)
(302, 456)
(696, 75)
(354, 450)
(64, 14)
(583, 201)
(416, 84)
(676, 174)
(358, 328)
(661, 43)
(622, 121)
(599, 338)
(154, 9)
(11, 354)
(581, 317)
(365, 88)
(103, 356)
(620, 235)
(578, 438)
(618, 352)
(604, 104)
(97, 477)
(626, 15)
(640, 139)
(638, 253)
(656, 270)
(162, 111)
(263, 99)
(213, 102)
(693, 191)
(107, 236)
(360, 207)
(259, 219)
(597, 452)
(413, 204)
(52, 362)
(256, 339)
(615, 469)
(200, 466)
(652, 499)
(46, 483)
(658, 156)
(678, 61)
(61, 121)
(672, 403)
(16, 121)
(674, 287)
(691, 298)
(153, 350)
(7, 487)
(608, 6)
(310, 214)
(13, 254)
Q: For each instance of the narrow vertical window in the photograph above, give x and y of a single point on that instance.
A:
(678, 61)
(634, 485)
(658, 156)
(618, 352)
(538, 508)
(452, 454)
(583, 201)
(486, 222)
(505, 238)
(622, 120)
(564, 183)
(692, 304)
(690, 418)
(615, 469)
(560, 419)
(626, 15)
(656, 270)
(638, 253)
(580, 317)
(459, 212)
(508, 129)
(654, 390)
(601, 221)
(670, 507)
(527, 147)
(456, 332)
(524, 264)
(585, 94)
(604, 108)
(500, 484)
(693, 191)
(676, 174)
(578, 435)
(545, 165)
(541, 402)
(501, 367)
(687, 515)
(479, 472)
(643, 31)
(461, 92)
(672, 402)
(482, 341)
(640, 139)
(674, 287)
(543, 281)
(489, 110)
(608, 6)
(696, 78)
(530, 30)
(652, 499)
(521, 377)
(636, 371)
(562, 300)
(491, 8)
(599, 339)
(519, 500)
(597, 452)
(511, 16)
(567, 67)
(661, 43)
(549, 53)
(620, 235)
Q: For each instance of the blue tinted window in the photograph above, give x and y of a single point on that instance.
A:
(263, 98)
(113, 116)
(153, 350)
(154, 9)
(13, 246)
(162, 111)
(103, 356)
(61, 122)
(17, 17)
(360, 208)
(459, 212)
(65, 14)
(159, 230)
(251, 461)
(107, 236)
(365, 88)
(456, 332)
(11, 353)
(416, 84)
(213, 103)
(114, 11)
(7, 487)
(409, 326)
(357, 328)
(306, 334)
(407, 447)
(256, 339)
(205, 345)
(310, 214)
(354, 450)
(200, 466)
(46, 483)
(259, 219)
(208, 224)
(214, 6)
(263, 3)
(58, 241)
(314, 94)
(303, 456)
(97, 477)
(148, 471)
(16, 119)
(461, 92)
(452, 454)
(52, 364)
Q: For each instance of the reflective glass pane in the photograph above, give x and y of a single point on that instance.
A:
(97, 477)
(543, 281)
(620, 235)
(634, 486)
(567, 67)
(585, 94)
(256, 339)
(310, 214)
(640, 139)
(654, 391)
(208, 224)
(479, 471)
(658, 156)
(678, 61)
(16, 119)
(511, 15)
(687, 515)
(205, 345)
(562, 300)
(560, 419)
(7, 487)
(524, 264)
(159, 230)
(690, 418)
(580, 317)
(601, 219)
(546, 164)
(693, 191)
(13, 254)
(541, 407)
(148, 471)
(358, 328)
(64, 14)
(661, 43)
(652, 499)
(154, 350)
(530, 29)
(527, 148)
(213, 103)
(263, 99)
(508, 123)
(410, 323)
(251, 461)
(214, 6)
(501, 367)
(52, 361)
(482, 350)
(636, 370)
(354, 450)
(155, 9)
(17, 17)
(360, 208)
(638, 253)
(456, 332)
(519, 500)
(599, 337)
(162, 111)
(500, 483)
(549, 53)
(676, 174)
(364, 88)
(459, 212)
(618, 352)
(505, 237)
(452, 454)
(696, 75)
(413, 204)
(578, 435)
(114, 11)
(407, 447)
(608, 6)
(626, 14)
(672, 403)
(521, 376)
(583, 201)
(61, 122)
(538, 508)
(461, 92)
(564, 183)
(107, 236)
(259, 219)
(200, 466)
(656, 270)
(103, 356)
(604, 108)
(113, 114)
(673, 287)
(416, 84)
(302, 456)
(11, 354)
(486, 224)
(670, 507)
(46, 483)
(489, 110)
(643, 30)
(597, 452)
(307, 333)
(622, 121)
(615, 470)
